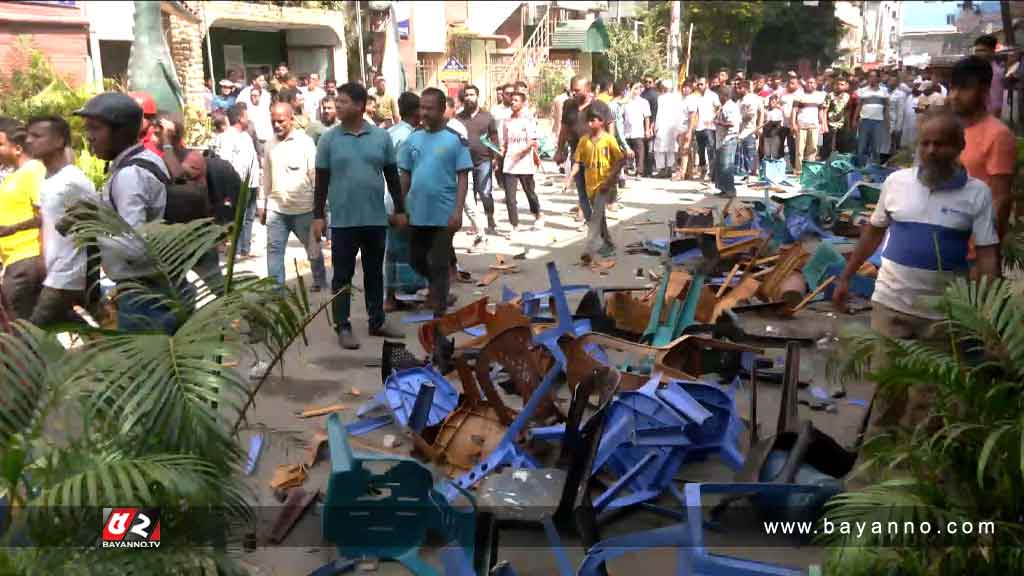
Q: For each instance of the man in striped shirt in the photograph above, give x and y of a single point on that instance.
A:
(929, 213)
(870, 119)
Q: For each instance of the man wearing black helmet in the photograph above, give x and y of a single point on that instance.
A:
(136, 189)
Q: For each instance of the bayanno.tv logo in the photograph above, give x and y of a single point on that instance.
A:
(131, 528)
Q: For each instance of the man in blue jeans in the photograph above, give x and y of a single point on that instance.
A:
(870, 119)
(728, 123)
(480, 123)
(574, 126)
(353, 161)
(286, 197)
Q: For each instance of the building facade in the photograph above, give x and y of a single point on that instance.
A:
(59, 29)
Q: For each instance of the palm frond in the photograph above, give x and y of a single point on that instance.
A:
(23, 378)
(989, 312)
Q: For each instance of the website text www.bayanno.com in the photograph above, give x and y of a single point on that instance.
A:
(871, 529)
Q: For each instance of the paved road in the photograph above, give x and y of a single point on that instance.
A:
(321, 373)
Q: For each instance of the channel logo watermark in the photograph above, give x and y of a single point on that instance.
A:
(131, 528)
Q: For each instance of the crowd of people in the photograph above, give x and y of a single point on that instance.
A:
(391, 177)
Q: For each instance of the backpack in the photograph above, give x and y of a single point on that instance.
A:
(187, 200)
(223, 185)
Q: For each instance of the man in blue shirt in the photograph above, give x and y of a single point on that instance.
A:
(399, 277)
(435, 165)
(353, 161)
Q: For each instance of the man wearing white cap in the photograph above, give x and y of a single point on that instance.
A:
(225, 97)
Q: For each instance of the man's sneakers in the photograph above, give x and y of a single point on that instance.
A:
(347, 340)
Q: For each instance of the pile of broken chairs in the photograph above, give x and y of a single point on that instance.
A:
(637, 413)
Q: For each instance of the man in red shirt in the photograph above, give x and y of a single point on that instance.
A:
(991, 152)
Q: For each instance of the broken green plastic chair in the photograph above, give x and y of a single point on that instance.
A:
(383, 507)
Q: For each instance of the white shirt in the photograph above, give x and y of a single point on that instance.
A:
(808, 114)
(288, 168)
(65, 262)
(311, 103)
(691, 105)
(519, 135)
(787, 98)
(919, 220)
(635, 112)
(873, 102)
(750, 105)
(500, 113)
(707, 108)
(236, 147)
(730, 113)
(897, 102)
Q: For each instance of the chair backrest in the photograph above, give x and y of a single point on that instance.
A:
(376, 507)
(579, 445)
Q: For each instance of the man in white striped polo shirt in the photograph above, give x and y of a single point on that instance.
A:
(929, 212)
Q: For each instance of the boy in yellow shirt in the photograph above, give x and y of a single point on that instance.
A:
(601, 159)
(20, 249)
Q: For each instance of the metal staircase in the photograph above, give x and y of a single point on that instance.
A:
(527, 61)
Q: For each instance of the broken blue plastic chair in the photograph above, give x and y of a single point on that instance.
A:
(653, 431)
(693, 559)
(403, 387)
(507, 452)
(370, 511)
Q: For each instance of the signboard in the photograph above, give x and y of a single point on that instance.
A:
(453, 71)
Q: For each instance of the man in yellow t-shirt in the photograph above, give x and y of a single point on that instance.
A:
(599, 157)
(20, 249)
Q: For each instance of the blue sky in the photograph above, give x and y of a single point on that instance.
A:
(920, 14)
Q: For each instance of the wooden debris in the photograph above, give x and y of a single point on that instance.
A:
(354, 392)
(744, 291)
(630, 313)
(312, 412)
(295, 505)
(790, 261)
(728, 280)
(811, 296)
(319, 439)
(488, 278)
(288, 476)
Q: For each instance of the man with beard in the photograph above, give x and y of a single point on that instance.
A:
(929, 213)
(479, 123)
(327, 118)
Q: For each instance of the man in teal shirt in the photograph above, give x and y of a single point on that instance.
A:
(399, 277)
(434, 164)
(353, 163)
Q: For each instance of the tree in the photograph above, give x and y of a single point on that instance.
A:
(137, 419)
(722, 32)
(793, 31)
(638, 47)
